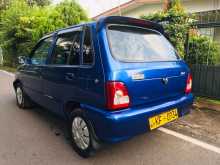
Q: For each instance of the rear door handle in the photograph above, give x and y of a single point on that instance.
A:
(69, 76)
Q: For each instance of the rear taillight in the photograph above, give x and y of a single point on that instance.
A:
(117, 95)
(188, 84)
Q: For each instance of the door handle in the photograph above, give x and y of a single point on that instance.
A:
(69, 76)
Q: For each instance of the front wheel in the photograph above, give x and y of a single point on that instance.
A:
(23, 100)
(82, 135)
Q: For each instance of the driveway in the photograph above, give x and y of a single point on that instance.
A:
(36, 137)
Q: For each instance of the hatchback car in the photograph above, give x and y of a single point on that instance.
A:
(110, 80)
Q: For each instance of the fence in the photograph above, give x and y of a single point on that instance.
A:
(206, 75)
(206, 80)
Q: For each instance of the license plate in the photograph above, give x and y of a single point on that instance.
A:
(163, 118)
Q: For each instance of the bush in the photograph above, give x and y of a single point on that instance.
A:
(202, 50)
(22, 25)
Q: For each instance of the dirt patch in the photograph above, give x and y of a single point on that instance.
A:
(203, 103)
(202, 124)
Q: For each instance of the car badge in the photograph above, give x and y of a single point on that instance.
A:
(165, 81)
(138, 76)
(182, 73)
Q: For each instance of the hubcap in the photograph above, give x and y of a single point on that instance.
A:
(80, 133)
(19, 95)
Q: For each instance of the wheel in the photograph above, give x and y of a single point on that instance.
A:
(82, 135)
(23, 100)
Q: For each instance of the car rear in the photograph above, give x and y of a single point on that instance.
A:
(147, 83)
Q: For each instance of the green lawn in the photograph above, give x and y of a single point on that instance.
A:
(9, 69)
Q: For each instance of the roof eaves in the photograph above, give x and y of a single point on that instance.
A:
(127, 5)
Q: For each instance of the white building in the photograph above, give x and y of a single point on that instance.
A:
(208, 12)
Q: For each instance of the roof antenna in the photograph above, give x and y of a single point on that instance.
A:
(119, 7)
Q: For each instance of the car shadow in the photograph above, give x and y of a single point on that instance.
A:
(59, 128)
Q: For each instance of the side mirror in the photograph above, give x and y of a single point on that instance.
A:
(23, 60)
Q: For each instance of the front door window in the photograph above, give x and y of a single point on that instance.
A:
(40, 54)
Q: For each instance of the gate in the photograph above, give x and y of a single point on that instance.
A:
(206, 80)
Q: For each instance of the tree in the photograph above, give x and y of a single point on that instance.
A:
(23, 25)
(177, 24)
(38, 2)
(175, 21)
(70, 12)
(4, 4)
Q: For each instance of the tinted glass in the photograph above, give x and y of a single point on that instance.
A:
(87, 48)
(40, 54)
(133, 44)
(62, 49)
(75, 52)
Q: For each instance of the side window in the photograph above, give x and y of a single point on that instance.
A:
(75, 52)
(87, 48)
(62, 49)
(39, 56)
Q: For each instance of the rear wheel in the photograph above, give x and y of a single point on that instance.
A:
(82, 135)
(23, 100)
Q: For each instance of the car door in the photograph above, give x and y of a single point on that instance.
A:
(61, 74)
(33, 84)
(91, 74)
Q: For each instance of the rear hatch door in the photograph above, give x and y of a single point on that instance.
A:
(156, 83)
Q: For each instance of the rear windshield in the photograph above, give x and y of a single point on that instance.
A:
(134, 44)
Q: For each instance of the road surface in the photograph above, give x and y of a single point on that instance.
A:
(34, 137)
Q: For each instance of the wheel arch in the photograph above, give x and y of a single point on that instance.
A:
(16, 82)
(69, 107)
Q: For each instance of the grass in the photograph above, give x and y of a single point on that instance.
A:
(213, 101)
(8, 69)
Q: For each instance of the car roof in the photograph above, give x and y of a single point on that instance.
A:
(68, 28)
(129, 21)
(113, 20)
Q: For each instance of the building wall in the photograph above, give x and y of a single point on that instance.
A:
(143, 10)
(217, 35)
(191, 6)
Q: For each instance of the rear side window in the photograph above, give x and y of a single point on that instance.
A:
(87, 48)
(67, 49)
(62, 49)
(134, 44)
(75, 52)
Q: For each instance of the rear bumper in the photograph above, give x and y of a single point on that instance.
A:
(113, 127)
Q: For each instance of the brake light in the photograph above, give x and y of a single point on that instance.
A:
(188, 84)
(117, 95)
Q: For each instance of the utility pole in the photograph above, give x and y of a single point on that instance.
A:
(166, 4)
(119, 7)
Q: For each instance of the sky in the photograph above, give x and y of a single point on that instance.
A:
(94, 7)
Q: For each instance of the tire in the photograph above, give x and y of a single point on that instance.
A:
(82, 135)
(23, 101)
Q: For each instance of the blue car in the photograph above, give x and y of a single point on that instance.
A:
(110, 80)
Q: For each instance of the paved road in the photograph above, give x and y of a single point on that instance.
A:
(30, 137)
